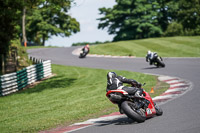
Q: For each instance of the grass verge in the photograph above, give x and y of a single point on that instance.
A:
(73, 95)
(166, 47)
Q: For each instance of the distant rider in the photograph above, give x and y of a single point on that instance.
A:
(116, 82)
(86, 49)
(150, 57)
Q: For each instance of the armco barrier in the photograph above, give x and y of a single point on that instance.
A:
(10, 83)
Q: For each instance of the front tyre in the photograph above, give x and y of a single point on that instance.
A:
(160, 63)
(129, 109)
(159, 111)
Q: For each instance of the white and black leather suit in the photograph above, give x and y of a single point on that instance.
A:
(151, 57)
(116, 82)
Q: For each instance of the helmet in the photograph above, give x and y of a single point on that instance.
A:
(149, 52)
(111, 75)
(87, 45)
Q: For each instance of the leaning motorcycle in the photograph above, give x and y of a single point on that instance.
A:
(138, 109)
(83, 53)
(158, 61)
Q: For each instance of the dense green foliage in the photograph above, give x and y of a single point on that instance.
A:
(174, 29)
(44, 18)
(22, 55)
(49, 18)
(9, 17)
(189, 16)
(166, 47)
(136, 19)
(73, 95)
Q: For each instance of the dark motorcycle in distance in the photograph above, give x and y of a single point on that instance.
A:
(138, 109)
(158, 61)
(84, 52)
(155, 60)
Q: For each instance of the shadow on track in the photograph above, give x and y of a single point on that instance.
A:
(119, 121)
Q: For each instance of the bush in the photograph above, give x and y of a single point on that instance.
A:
(22, 56)
(174, 29)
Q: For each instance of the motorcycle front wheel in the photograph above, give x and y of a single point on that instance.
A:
(159, 111)
(160, 63)
(82, 55)
(129, 109)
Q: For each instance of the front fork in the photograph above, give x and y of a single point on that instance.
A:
(142, 103)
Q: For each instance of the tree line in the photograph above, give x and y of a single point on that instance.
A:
(90, 43)
(43, 18)
(137, 19)
(34, 21)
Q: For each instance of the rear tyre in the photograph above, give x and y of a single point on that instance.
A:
(129, 109)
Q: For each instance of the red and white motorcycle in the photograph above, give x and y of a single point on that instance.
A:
(135, 108)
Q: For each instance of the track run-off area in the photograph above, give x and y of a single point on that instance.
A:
(181, 114)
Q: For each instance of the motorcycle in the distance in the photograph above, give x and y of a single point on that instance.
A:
(155, 60)
(84, 52)
(158, 61)
(138, 109)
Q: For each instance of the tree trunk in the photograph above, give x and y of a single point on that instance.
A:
(24, 26)
(43, 40)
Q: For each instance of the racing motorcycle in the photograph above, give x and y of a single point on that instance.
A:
(83, 53)
(138, 109)
(157, 61)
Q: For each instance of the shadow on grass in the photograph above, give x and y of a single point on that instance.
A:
(52, 83)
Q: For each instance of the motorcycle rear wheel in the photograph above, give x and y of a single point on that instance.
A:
(131, 112)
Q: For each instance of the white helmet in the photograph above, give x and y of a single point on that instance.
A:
(111, 75)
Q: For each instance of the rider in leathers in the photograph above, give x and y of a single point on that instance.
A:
(116, 82)
(150, 57)
(86, 49)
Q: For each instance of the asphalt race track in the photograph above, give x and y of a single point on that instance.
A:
(181, 115)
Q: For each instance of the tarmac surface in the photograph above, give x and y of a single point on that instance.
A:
(181, 115)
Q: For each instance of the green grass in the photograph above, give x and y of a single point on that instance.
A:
(73, 95)
(165, 47)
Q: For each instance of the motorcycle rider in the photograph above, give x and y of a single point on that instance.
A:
(116, 82)
(150, 57)
(86, 49)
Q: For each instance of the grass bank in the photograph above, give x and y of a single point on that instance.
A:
(166, 47)
(73, 95)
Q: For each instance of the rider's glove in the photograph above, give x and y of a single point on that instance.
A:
(134, 84)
